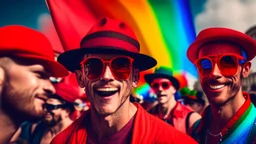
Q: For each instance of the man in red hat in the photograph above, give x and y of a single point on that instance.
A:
(58, 109)
(107, 66)
(222, 57)
(26, 63)
(168, 109)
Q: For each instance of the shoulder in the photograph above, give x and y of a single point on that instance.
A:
(158, 131)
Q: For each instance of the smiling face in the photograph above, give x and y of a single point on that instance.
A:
(165, 90)
(106, 93)
(219, 88)
(25, 89)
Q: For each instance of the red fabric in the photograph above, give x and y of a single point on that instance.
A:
(147, 129)
(177, 116)
(24, 42)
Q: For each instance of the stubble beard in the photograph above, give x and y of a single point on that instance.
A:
(17, 105)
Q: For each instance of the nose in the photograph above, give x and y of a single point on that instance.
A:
(216, 71)
(107, 74)
(48, 87)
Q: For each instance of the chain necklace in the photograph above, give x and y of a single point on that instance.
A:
(213, 135)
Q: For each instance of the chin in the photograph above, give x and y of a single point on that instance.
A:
(105, 112)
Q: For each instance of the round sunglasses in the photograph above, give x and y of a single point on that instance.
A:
(164, 85)
(227, 64)
(120, 66)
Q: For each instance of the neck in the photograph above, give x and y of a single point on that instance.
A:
(165, 109)
(7, 127)
(106, 126)
(60, 126)
(222, 115)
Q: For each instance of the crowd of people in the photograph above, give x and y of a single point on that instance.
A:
(36, 108)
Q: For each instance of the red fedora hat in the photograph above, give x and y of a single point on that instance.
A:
(24, 42)
(222, 34)
(107, 36)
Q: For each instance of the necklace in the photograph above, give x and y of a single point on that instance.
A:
(213, 135)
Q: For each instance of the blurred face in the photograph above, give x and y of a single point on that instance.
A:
(110, 85)
(54, 111)
(164, 90)
(25, 90)
(218, 85)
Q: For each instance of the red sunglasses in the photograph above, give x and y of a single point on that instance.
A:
(227, 64)
(164, 85)
(120, 67)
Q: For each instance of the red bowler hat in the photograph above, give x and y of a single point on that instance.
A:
(107, 36)
(24, 42)
(67, 92)
(222, 34)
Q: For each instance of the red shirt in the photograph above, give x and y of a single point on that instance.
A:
(146, 129)
(177, 116)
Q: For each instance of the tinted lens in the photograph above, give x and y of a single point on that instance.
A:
(121, 67)
(165, 85)
(228, 65)
(155, 85)
(204, 66)
(93, 68)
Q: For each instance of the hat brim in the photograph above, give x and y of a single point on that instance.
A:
(240, 39)
(55, 68)
(150, 77)
(71, 59)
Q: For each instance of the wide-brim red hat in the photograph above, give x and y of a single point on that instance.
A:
(23, 42)
(107, 36)
(222, 34)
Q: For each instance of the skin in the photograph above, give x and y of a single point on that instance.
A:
(109, 114)
(167, 101)
(24, 89)
(228, 98)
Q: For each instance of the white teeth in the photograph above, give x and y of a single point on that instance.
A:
(216, 86)
(107, 89)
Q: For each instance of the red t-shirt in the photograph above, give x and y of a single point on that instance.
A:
(123, 136)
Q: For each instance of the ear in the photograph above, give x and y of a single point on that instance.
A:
(135, 77)
(2, 76)
(80, 78)
(246, 69)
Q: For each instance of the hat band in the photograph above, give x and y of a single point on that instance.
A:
(109, 42)
(111, 34)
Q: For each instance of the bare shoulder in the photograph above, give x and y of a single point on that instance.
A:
(193, 118)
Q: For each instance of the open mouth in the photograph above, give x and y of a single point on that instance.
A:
(104, 92)
(216, 87)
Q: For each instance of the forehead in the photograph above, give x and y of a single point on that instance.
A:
(216, 48)
(158, 80)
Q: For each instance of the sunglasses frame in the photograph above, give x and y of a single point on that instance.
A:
(55, 107)
(169, 84)
(215, 59)
(105, 62)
